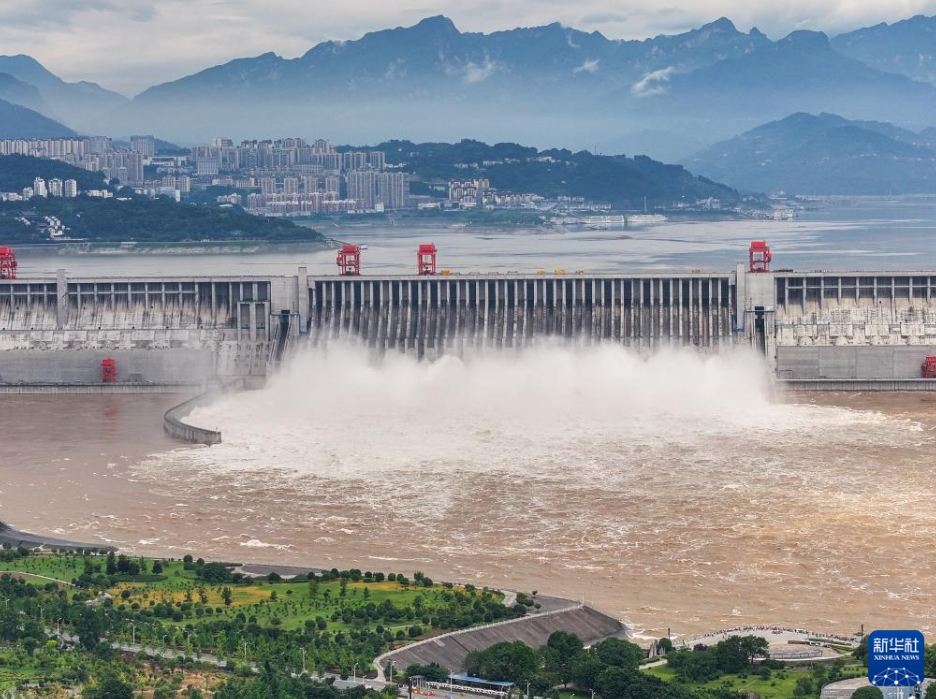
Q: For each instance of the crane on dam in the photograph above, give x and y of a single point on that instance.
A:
(7, 263)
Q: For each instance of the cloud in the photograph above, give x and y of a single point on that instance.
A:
(653, 83)
(475, 73)
(588, 67)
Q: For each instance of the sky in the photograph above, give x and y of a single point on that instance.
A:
(129, 45)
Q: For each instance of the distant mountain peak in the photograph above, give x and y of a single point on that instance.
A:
(805, 39)
(436, 23)
(722, 24)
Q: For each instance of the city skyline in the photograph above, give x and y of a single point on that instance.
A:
(164, 42)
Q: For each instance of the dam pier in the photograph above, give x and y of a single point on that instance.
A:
(816, 329)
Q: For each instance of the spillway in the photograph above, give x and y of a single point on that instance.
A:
(812, 327)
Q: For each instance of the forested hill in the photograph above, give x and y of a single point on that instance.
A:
(614, 179)
(17, 121)
(145, 220)
(19, 171)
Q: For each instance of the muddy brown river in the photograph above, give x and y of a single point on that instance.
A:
(674, 491)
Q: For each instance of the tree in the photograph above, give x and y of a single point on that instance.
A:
(804, 687)
(109, 686)
(754, 647)
(861, 652)
(619, 653)
(870, 692)
(665, 645)
(89, 627)
(157, 568)
(559, 651)
(730, 655)
(583, 670)
(616, 683)
(930, 691)
(433, 672)
(507, 661)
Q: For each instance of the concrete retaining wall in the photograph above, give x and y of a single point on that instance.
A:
(84, 366)
(172, 421)
(451, 650)
(859, 385)
(891, 363)
(94, 388)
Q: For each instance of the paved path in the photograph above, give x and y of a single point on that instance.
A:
(36, 575)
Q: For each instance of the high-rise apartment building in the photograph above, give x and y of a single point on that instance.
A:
(99, 144)
(362, 187)
(391, 189)
(144, 145)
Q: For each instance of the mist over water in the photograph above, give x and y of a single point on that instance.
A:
(672, 489)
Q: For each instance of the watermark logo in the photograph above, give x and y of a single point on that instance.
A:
(895, 658)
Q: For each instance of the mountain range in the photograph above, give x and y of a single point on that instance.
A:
(666, 96)
(824, 154)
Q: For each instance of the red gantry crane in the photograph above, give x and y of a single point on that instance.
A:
(7, 263)
(759, 256)
(426, 259)
(349, 260)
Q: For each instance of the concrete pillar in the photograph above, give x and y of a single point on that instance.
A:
(61, 302)
(302, 294)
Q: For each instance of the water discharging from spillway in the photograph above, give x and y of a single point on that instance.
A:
(673, 489)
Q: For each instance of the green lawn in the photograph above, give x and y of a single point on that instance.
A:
(59, 567)
(780, 685)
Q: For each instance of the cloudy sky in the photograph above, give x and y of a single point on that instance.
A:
(128, 45)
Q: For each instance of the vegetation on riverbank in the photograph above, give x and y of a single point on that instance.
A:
(139, 219)
(333, 619)
(116, 627)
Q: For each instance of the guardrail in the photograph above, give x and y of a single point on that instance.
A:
(88, 388)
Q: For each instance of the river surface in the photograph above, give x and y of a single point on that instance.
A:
(843, 235)
(675, 491)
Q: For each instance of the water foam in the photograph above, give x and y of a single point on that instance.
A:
(679, 468)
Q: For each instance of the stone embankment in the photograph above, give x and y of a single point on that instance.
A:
(450, 649)
(15, 538)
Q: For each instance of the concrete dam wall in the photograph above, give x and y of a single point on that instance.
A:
(812, 327)
(436, 315)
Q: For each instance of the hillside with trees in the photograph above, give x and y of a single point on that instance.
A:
(618, 180)
(145, 220)
(19, 171)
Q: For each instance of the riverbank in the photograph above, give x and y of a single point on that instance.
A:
(204, 247)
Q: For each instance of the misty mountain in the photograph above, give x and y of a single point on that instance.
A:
(824, 154)
(82, 105)
(907, 47)
(17, 121)
(798, 73)
(666, 96)
(430, 80)
(17, 92)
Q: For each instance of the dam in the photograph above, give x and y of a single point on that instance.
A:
(814, 328)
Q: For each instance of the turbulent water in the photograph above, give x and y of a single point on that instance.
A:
(674, 490)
